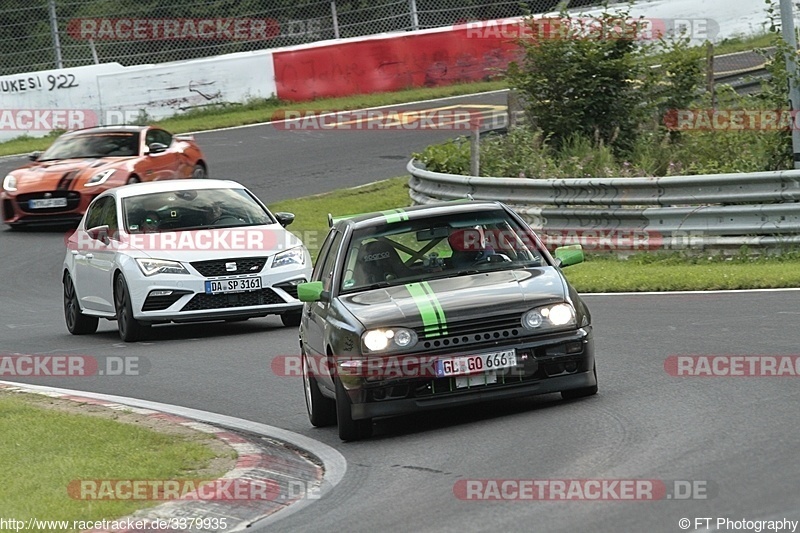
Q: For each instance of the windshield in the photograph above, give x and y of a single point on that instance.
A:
(192, 209)
(105, 144)
(406, 252)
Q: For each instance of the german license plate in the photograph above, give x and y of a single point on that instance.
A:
(228, 286)
(473, 364)
(44, 203)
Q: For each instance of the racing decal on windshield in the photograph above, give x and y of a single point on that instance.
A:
(430, 310)
(395, 215)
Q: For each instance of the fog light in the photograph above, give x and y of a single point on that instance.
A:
(160, 293)
(571, 366)
(574, 347)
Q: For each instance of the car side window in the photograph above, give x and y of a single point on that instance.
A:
(323, 255)
(95, 215)
(158, 136)
(329, 265)
(109, 216)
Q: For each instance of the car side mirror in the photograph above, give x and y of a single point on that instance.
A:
(312, 291)
(99, 233)
(569, 255)
(156, 148)
(34, 156)
(284, 219)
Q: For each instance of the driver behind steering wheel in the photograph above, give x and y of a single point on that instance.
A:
(469, 247)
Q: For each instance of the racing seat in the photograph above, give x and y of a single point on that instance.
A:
(379, 261)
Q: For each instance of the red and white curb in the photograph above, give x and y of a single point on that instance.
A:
(288, 460)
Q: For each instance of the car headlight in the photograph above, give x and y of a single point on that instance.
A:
(387, 339)
(10, 183)
(295, 256)
(550, 316)
(99, 178)
(150, 267)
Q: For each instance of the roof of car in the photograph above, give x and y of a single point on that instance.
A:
(128, 128)
(150, 187)
(410, 213)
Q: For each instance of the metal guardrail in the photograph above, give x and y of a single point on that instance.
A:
(720, 211)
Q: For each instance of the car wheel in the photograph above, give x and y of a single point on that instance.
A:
(130, 329)
(77, 322)
(349, 429)
(581, 393)
(321, 410)
(132, 180)
(292, 319)
(199, 172)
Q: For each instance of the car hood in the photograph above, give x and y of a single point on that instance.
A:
(46, 175)
(461, 298)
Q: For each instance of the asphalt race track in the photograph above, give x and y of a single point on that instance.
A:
(736, 437)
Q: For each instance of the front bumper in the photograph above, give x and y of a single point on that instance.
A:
(17, 210)
(187, 300)
(544, 366)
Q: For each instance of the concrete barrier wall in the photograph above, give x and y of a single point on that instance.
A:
(38, 102)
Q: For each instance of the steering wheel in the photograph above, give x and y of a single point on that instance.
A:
(227, 220)
(494, 258)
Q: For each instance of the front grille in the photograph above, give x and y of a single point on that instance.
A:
(203, 301)
(73, 199)
(472, 331)
(244, 265)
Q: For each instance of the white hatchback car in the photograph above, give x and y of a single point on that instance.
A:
(181, 251)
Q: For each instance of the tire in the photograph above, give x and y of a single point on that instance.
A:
(199, 172)
(581, 393)
(77, 322)
(132, 180)
(321, 410)
(130, 329)
(292, 319)
(349, 429)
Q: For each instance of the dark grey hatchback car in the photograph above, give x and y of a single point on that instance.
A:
(438, 306)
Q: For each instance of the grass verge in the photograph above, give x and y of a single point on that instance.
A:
(48, 443)
(600, 273)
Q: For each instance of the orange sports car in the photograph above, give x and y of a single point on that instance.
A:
(58, 185)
